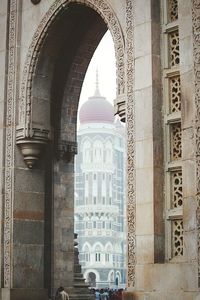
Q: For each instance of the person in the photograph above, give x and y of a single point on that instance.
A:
(97, 295)
(61, 294)
(104, 295)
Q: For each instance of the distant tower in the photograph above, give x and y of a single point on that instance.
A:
(99, 193)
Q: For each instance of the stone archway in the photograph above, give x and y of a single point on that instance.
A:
(91, 279)
(107, 14)
(38, 112)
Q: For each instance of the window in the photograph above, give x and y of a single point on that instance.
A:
(89, 225)
(87, 256)
(95, 200)
(98, 257)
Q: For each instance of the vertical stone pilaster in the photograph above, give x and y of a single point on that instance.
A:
(3, 49)
(63, 217)
(10, 140)
(144, 136)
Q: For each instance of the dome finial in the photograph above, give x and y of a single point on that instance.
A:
(97, 92)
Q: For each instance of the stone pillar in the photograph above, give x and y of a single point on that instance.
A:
(148, 137)
(63, 217)
(188, 135)
(147, 120)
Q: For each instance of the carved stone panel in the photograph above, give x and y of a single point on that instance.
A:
(196, 57)
(130, 116)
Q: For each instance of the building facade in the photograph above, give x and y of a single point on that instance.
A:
(45, 49)
(100, 194)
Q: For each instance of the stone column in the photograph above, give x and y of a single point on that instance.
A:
(188, 117)
(63, 217)
(148, 118)
(145, 127)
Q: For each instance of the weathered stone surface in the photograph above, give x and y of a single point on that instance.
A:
(44, 53)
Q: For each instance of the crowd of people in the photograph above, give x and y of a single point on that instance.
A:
(100, 294)
(107, 294)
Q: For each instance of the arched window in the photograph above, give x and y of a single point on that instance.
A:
(86, 252)
(108, 251)
(111, 277)
(91, 279)
(97, 253)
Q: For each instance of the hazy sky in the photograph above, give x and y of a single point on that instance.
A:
(104, 60)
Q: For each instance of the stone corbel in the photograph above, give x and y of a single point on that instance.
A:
(35, 1)
(120, 107)
(31, 143)
(67, 150)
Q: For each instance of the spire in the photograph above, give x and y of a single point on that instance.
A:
(97, 92)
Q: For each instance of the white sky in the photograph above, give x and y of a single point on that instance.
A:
(104, 60)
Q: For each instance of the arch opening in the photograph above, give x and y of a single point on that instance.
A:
(99, 175)
(56, 82)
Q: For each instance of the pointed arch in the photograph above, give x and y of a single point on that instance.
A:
(107, 14)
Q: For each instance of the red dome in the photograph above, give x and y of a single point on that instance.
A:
(96, 110)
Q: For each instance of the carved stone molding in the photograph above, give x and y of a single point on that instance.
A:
(10, 142)
(196, 57)
(130, 116)
(101, 7)
(67, 150)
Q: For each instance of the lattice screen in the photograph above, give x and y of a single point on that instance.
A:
(173, 133)
(175, 94)
(173, 10)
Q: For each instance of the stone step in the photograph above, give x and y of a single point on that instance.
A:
(81, 296)
(79, 276)
(80, 285)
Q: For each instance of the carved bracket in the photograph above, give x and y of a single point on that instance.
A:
(67, 150)
(35, 1)
(31, 145)
(120, 107)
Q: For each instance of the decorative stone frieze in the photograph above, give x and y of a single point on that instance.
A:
(131, 171)
(10, 142)
(196, 57)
